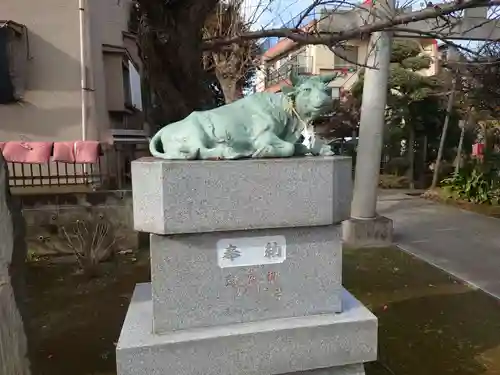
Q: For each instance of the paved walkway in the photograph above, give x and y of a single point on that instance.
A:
(465, 244)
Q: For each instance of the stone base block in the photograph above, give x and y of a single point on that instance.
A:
(221, 278)
(358, 369)
(376, 232)
(172, 196)
(13, 343)
(277, 346)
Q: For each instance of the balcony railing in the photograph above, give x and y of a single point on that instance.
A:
(301, 64)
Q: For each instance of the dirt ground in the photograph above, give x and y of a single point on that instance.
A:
(74, 322)
(429, 322)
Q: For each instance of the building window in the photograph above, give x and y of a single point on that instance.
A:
(127, 92)
(335, 92)
(123, 81)
(300, 60)
(345, 57)
(135, 87)
(280, 70)
(131, 86)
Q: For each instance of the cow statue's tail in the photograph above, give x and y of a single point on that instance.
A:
(154, 145)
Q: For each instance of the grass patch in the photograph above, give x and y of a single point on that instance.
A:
(429, 322)
(441, 196)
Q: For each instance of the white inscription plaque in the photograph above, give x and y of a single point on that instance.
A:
(251, 251)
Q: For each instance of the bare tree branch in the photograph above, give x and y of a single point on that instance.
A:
(330, 38)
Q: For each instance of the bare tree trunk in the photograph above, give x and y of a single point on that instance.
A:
(229, 87)
(443, 134)
(424, 151)
(173, 56)
(423, 169)
(411, 156)
(458, 159)
(486, 142)
(354, 140)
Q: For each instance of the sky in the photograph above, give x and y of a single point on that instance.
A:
(273, 13)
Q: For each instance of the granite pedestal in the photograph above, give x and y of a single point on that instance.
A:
(246, 271)
(373, 232)
(173, 197)
(308, 281)
(273, 346)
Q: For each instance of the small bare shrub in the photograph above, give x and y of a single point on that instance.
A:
(390, 181)
(92, 241)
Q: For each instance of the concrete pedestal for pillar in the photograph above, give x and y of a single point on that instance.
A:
(246, 271)
(376, 232)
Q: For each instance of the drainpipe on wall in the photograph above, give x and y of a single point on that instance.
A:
(83, 69)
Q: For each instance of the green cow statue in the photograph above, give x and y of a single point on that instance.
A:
(261, 125)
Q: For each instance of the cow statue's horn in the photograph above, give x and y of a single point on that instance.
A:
(327, 78)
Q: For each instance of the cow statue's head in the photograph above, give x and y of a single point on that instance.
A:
(310, 94)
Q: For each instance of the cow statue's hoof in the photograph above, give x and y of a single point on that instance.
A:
(326, 151)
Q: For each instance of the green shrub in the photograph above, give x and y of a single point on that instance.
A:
(477, 182)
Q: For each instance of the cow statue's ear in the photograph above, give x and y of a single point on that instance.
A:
(288, 91)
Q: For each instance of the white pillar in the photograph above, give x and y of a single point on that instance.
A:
(372, 124)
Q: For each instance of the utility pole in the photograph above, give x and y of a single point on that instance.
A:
(365, 228)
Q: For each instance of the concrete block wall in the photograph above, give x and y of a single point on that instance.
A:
(46, 215)
(13, 342)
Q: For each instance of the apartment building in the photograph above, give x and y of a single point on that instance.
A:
(348, 58)
(69, 70)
